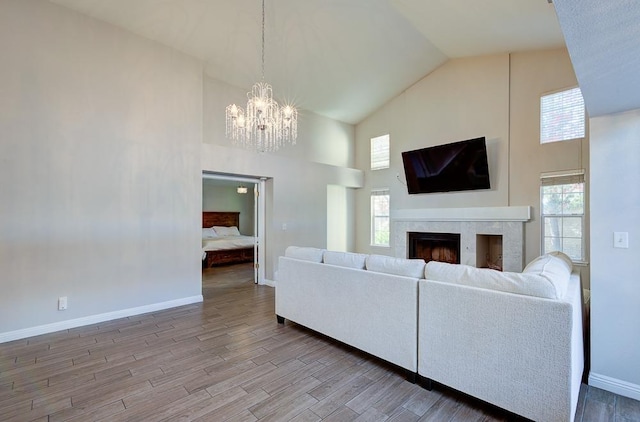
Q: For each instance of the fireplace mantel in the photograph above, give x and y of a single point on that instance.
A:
(469, 222)
(521, 213)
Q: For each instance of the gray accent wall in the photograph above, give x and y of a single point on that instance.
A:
(100, 176)
(104, 138)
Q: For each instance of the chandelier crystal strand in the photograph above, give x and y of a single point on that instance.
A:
(264, 125)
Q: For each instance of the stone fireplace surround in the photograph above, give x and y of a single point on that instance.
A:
(469, 222)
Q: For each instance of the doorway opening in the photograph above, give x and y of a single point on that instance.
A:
(233, 211)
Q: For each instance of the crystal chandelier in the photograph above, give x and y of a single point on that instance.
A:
(263, 125)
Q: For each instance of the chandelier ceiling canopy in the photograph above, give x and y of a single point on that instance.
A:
(263, 125)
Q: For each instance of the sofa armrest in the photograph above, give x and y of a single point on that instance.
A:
(522, 353)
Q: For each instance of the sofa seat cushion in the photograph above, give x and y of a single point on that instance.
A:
(345, 259)
(530, 284)
(398, 266)
(305, 253)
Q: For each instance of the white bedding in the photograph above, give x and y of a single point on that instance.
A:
(227, 242)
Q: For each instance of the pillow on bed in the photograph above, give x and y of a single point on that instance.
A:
(226, 231)
(209, 233)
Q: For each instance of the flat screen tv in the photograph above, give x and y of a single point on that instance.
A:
(458, 166)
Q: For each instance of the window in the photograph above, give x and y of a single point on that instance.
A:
(380, 217)
(562, 116)
(380, 152)
(562, 214)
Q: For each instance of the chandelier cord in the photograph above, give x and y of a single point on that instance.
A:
(263, 41)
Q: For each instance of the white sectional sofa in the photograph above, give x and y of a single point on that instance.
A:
(367, 301)
(511, 339)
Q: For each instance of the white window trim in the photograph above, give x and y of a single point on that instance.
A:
(378, 192)
(584, 121)
(384, 160)
(568, 174)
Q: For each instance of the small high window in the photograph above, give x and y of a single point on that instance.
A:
(380, 152)
(380, 217)
(562, 116)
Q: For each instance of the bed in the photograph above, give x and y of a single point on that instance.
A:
(222, 243)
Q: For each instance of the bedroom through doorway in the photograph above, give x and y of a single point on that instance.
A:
(232, 225)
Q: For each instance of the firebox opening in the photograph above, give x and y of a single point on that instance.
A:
(442, 247)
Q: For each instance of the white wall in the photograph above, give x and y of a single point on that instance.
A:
(100, 174)
(298, 175)
(493, 96)
(320, 139)
(339, 220)
(615, 289)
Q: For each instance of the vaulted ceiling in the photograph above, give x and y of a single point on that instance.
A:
(339, 58)
(603, 38)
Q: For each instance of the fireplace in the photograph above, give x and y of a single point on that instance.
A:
(477, 228)
(442, 247)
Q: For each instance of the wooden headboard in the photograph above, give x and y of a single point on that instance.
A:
(220, 218)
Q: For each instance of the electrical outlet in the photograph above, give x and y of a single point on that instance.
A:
(62, 303)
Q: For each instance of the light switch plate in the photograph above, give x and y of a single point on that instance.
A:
(62, 303)
(620, 239)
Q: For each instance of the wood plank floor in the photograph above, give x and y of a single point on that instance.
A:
(227, 359)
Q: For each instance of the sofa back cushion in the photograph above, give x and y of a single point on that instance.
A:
(398, 266)
(529, 283)
(304, 253)
(345, 259)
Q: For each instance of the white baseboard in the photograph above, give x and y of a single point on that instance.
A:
(615, 385)
(268, 282)
(94, 319)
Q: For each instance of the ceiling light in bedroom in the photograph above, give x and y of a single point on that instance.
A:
(242, 189)
(263, 125)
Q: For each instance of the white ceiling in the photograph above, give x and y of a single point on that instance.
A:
(339, 58)
(603, 38)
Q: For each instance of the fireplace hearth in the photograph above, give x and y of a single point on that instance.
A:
(442, 247)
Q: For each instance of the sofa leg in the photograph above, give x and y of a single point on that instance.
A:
(411, 377)
(280, 319)
(426, 383)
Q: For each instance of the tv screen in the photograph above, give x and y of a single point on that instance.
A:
(458, 166)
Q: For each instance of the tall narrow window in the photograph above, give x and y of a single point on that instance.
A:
(562, 116)
(562, 214)
(380, 217)
(380, 152)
